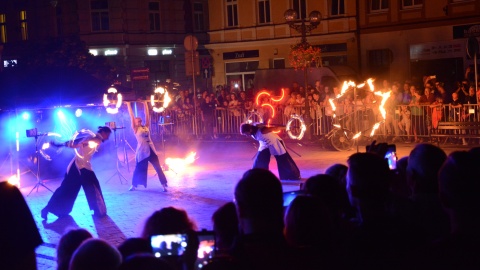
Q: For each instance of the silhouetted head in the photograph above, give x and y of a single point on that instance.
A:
(95, 254)
(67, 245)
(168, 220)
(459, 183)
(424, 162)
(225, 225)
(259, 196)
(133, 246)
(308, 223)
(367, 178)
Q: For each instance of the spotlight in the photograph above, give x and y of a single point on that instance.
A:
(78, 112)
(26, 116)
(61, 115)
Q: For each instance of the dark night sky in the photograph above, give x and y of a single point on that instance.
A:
(49, 87)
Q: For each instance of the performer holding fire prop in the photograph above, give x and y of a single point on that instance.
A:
(145, 151)
(271, 144)
(80, 174)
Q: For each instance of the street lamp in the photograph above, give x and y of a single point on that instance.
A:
(304, 26)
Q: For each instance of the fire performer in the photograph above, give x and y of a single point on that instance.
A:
(145, 151)
(271, 144)
(80, 174)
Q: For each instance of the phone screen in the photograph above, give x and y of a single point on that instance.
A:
(290, 195)
(391, 158)
(206, 248)
(168, 244)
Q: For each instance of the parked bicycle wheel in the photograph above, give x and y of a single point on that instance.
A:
(342, 139)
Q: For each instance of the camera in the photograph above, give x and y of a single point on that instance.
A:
(206, 248)
(32, 132)
(169, 244)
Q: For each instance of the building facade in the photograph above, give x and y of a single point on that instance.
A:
(407, 39)
(252, 34)
(143, 39)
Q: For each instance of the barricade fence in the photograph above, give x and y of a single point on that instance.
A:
(404, 121)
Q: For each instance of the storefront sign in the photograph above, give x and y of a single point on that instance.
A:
(466, 31)
(240, 54)
(437, 50)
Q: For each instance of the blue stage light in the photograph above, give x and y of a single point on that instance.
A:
(61, 115)
(26, 115)
(78, 112)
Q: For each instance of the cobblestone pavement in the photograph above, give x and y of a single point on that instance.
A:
(200, 190)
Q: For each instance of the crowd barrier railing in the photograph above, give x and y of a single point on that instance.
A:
(403, 121)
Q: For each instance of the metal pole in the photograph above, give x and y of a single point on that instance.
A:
(476, 75)
(194, 90)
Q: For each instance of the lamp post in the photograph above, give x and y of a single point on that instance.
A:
(304, 26)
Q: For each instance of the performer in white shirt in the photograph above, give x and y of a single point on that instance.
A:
(80, 174)
(145, 151)
(271, 144)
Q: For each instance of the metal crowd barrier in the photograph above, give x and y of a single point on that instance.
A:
(404, 121)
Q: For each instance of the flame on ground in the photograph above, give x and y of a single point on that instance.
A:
(180, 164)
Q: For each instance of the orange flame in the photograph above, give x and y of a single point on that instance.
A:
(180, 164)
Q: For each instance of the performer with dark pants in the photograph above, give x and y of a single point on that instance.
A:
(145, 151)
(80, 174)
(271, 144)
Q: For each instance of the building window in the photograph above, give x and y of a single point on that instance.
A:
(154, 16)
(301, 8)
(100, 17)
(407, 4)
(338, 7)
(24, 24)
(379, 61)
(3, 28)
(264, 11)
(378, 6)
(278, 63)
(232, 13)
(198, 17)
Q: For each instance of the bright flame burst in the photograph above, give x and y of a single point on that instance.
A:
(347, 85)
(180, 164)
(14, 180)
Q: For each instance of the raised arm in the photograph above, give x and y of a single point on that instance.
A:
(147, 114)
(132, 117)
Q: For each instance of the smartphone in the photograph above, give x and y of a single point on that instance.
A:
(290, 195)
(391, 157)
(168, 244)
(206, 248)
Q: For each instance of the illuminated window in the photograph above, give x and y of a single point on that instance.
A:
(407, 4)
(100, 16)
(338, 7)
(154, 16)
(379, 5)
(3, 28)
(264, 11)
(232, 13)
(198, 17)
(23, 24)
(301, 8)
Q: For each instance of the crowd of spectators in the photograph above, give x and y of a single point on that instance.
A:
(412, 112)
(358, 215)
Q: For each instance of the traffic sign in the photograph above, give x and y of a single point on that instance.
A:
(190, 42)
(206, 73)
